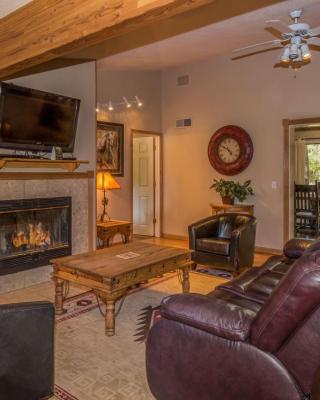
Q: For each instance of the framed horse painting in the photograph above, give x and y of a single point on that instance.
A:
(110, 139)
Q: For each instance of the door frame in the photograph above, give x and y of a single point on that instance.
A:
(159, 192)
(287, 123)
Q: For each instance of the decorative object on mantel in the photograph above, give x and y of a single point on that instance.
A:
(110, 145)
(105, 181)
(69, 165)
(230, 190)
(125, 102)
(230, 150)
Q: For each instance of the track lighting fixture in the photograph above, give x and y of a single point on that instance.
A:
(128, 103)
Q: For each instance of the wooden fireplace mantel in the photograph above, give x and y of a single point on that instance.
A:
(69, 165)
(45, 175)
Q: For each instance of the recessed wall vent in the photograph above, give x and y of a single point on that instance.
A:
(184, 123)
(183, 80)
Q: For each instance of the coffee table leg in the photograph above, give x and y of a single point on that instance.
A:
(185, 280)
(110, 317)
(59, 284)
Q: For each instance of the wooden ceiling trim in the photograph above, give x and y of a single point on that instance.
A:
(43, 30)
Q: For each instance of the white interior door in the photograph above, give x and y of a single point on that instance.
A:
(143, 185)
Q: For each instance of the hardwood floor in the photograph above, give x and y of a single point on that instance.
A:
(45, 291)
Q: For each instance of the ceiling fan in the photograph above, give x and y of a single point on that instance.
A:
(297, 43)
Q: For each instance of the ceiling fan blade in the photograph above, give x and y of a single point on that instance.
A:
(274, 31)
(255, 53)
(276, 41)
(277, 22)
(281, 65)
(315, 31)
(314, 47)
(313, 40)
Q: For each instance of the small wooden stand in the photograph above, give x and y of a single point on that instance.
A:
(107, 230)
(234, 208)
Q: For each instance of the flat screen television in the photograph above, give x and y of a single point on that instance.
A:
(35, 120)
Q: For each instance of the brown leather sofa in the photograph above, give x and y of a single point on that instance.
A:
(254, 338)
(26, 355)
(224, 241)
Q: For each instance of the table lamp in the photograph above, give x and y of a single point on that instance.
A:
(106, 181)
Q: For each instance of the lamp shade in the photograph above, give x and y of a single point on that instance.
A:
(106, 181)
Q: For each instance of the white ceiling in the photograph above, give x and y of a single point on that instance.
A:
(215, 39)
(7, 6)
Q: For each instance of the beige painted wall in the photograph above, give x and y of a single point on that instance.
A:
(249, 93)
(112, 85)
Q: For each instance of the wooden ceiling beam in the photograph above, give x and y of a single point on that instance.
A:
(43, 30)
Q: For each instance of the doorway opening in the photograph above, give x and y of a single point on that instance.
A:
(301, 205)
(146, 183)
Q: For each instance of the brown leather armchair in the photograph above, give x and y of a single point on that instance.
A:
(224, 241)
(256, 337)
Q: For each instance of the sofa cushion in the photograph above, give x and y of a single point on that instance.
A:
(223, 315)
(214, 245)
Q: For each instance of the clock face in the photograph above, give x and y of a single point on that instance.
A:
(230, 150)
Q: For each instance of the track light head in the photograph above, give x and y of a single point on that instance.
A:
(139, 102)
(110, 106)
(128, 105)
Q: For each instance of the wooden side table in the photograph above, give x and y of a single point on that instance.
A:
(228, 208)
(107, 230)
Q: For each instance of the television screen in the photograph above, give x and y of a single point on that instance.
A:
(35, 120)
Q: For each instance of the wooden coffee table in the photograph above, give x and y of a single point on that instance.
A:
(109, 274)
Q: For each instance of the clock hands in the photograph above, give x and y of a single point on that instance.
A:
(227, 148)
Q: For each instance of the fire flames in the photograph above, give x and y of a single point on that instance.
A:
(33, 236)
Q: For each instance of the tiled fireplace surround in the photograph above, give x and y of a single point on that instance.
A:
(42, 185)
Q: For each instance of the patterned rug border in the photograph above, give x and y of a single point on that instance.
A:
(154, 282)
(62, 394)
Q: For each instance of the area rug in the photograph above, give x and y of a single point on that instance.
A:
(61, 394)
(91, 366)
(214, 272)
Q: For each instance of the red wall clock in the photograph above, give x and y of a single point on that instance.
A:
(230, 150)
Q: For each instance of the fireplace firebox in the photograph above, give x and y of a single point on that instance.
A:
(33, 231)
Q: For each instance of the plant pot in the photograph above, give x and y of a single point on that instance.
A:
(227, 200)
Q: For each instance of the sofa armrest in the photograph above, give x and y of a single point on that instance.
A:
(210, 314)
(206, 227)
(294, 248)
(26, 342)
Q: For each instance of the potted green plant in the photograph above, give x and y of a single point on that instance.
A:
(230, 190)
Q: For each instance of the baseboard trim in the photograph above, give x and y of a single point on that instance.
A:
(268, 250)
(174, 237)
(258, 249)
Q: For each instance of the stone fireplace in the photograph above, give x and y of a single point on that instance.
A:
(42, 230)
(33, 231)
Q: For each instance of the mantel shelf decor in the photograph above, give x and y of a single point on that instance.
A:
(69, 165)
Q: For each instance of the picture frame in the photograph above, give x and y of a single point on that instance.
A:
(110, 147)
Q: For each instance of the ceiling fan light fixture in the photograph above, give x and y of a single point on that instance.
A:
(285, 55)
(294, 51)
(305, 52)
